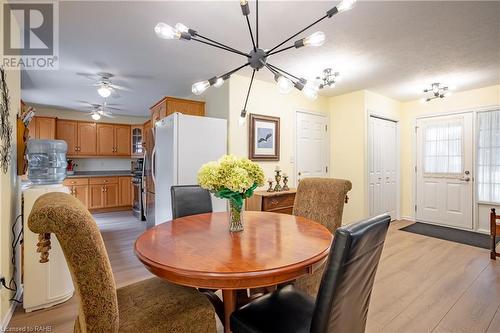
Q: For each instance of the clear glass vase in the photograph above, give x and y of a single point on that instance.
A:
(235, 224)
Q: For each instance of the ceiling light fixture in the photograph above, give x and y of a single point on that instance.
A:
(329, 78)
(438, 91)
(95, 115)
(257, 58)
(104, 90)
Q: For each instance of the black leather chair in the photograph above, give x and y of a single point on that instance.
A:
(190, 200)
(344, 293)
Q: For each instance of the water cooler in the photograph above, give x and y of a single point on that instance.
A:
(47, 284)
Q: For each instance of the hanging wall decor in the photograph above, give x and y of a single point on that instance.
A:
(5, 125)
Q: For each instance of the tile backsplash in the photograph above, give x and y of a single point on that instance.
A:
(102, 164)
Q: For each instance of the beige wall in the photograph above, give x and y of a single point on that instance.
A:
(9, 202)
(265, 99)
(84, 116)
(462, 101)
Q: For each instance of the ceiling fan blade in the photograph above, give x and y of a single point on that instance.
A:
(112, 108)
(118, 87)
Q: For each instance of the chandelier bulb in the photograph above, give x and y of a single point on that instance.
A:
(199, 87)
(165, 31)
(284, 85)
(310, 91)
(316, 39)
(95, 116)
(345, 5)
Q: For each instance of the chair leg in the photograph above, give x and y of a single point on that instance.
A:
(493, 253)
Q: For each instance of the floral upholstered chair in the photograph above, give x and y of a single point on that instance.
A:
(148, 306)
(321, 200)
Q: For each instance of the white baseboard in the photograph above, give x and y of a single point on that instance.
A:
(408, 218)
(6, 320)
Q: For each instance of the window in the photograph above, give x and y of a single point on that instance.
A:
(443, 148)
(488, 157)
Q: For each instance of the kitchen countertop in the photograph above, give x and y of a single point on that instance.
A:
(83, 174)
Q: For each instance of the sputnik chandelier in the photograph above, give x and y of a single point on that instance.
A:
(438, 91)
(257, 58)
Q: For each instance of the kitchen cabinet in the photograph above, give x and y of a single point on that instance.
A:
(67, 130)
(87, 140)
(79, 188)
(80, 137)
(42, 128)
(125, 191)
(105, 140)
(96, 196)
(169, 105)
(122, 140)
(111, 195)
(137, 135)
(113, 140)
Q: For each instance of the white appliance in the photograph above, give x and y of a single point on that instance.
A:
(182, 145)
(47, 284)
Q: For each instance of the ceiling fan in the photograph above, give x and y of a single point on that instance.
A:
(104, 84)
(100, 110)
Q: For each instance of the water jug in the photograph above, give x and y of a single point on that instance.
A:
(47, 161)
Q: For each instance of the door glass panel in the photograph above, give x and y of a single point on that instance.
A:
(443, 148)
(488, 157)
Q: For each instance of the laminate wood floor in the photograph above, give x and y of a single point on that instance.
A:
(422, 285)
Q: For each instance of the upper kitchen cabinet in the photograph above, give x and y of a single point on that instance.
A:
(169, 105)
(137, 134)
(87, 139)
(113, 140)
(80, 137)
(105, 139)
(122, 140)
(42, 128)
(67, 130)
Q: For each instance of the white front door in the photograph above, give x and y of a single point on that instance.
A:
(312, 145)
(444, 170)
(383, 164)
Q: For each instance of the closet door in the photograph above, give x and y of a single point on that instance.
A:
(382, 165)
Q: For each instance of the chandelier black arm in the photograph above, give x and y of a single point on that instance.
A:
(281, 50)
(257, 22)
(284, 72)
(298, 33)
(220, 44)
(249, 88)
(234, 70)
(251, 33)
(219, 47)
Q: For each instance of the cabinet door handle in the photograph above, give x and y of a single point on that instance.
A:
(102, 189)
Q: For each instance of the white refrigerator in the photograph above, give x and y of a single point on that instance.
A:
(182, 145)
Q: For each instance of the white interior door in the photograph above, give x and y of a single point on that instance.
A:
(312, 145)
(382, 164)
(444, 170)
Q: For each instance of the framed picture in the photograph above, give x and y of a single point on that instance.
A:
(264, 138)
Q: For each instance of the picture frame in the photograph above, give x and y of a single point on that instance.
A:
(263, 138)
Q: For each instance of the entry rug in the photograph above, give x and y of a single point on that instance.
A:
(450, 234)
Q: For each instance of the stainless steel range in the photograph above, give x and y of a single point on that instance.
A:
(138, 205)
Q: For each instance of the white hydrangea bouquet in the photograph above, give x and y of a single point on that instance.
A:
(234, 179)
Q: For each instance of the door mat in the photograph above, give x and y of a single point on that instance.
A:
(450, 234)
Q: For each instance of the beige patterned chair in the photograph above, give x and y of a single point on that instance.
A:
(321, 200)
(148, 306)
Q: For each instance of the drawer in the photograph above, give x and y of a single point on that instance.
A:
(75, 181)
(103, 180)
(278, 201)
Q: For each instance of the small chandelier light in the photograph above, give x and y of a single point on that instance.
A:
(104, 90)
(329, 78)
(257, 58)
(438, 91)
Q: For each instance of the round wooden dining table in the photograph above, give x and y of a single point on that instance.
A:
(199, 251)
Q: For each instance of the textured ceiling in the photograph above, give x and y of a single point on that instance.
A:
(393, 48)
